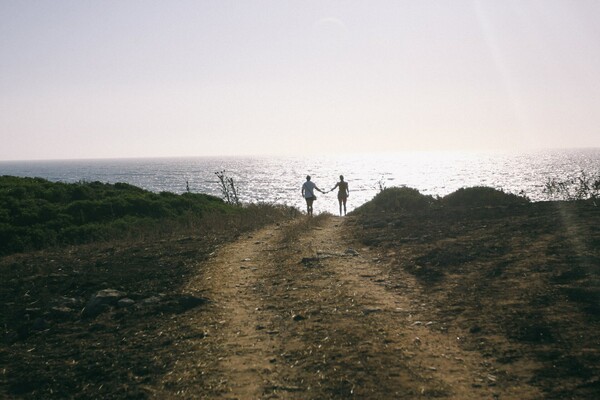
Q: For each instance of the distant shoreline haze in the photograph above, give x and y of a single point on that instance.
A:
(401, 153)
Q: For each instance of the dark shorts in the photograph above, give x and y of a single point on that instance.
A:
(313, 198)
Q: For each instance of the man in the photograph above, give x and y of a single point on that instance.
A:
(308, 189)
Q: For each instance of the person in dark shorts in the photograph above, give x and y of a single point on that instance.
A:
(343, 193)
(308, 189)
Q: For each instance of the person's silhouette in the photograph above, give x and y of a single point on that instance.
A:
(343, 193)
(308, 189)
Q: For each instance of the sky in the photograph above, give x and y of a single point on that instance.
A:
(103, 79)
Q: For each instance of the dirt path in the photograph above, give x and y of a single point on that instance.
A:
(302, 311)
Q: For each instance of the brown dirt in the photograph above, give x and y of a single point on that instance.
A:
(518, 285)
(496, 304)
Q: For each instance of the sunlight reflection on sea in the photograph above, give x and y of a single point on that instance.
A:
(279, 179)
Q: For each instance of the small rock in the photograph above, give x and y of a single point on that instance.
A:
(298, 317)
(351, 252)
(308, 261)
(371, 310)
(110, 294)
(151, 300)
(61, 312)
(125, 302)
(101, 302)
(68, 302)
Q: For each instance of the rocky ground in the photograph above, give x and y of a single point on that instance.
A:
(472, 303)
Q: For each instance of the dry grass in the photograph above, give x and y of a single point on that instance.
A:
(210, 225)
(291, 232)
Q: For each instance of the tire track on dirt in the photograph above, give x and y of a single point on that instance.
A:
(397, 310)
(315, 317)
(247, 342)
(231, 354)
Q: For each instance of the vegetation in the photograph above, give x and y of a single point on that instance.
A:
(481, 196)
(581, 187)
(37, 214)
(291, 233)
(516, 281)
(228, 188)
(396, 199)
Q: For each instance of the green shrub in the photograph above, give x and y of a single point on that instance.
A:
(398, 199)
(481, 196)
(35, 213)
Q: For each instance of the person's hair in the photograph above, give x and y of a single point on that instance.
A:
(308, 177)
(341, 177)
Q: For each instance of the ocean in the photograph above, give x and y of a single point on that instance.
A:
(279, 179)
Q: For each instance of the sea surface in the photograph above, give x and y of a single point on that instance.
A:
(279, 179)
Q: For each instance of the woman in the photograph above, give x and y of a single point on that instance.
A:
(343, 193)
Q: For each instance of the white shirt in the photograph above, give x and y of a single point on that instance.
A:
(308, 187)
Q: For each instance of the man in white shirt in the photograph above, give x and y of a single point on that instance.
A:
(309, 195)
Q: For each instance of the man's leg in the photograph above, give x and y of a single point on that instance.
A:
(309, 206)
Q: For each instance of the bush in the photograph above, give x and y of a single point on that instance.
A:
(398, 199)
(481, 196)
(36, 214)
(581, 187)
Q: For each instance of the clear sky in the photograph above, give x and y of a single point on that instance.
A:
(95, 79)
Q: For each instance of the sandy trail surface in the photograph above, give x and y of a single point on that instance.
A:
(301, 311)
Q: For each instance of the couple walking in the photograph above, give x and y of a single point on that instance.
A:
(309, 195)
